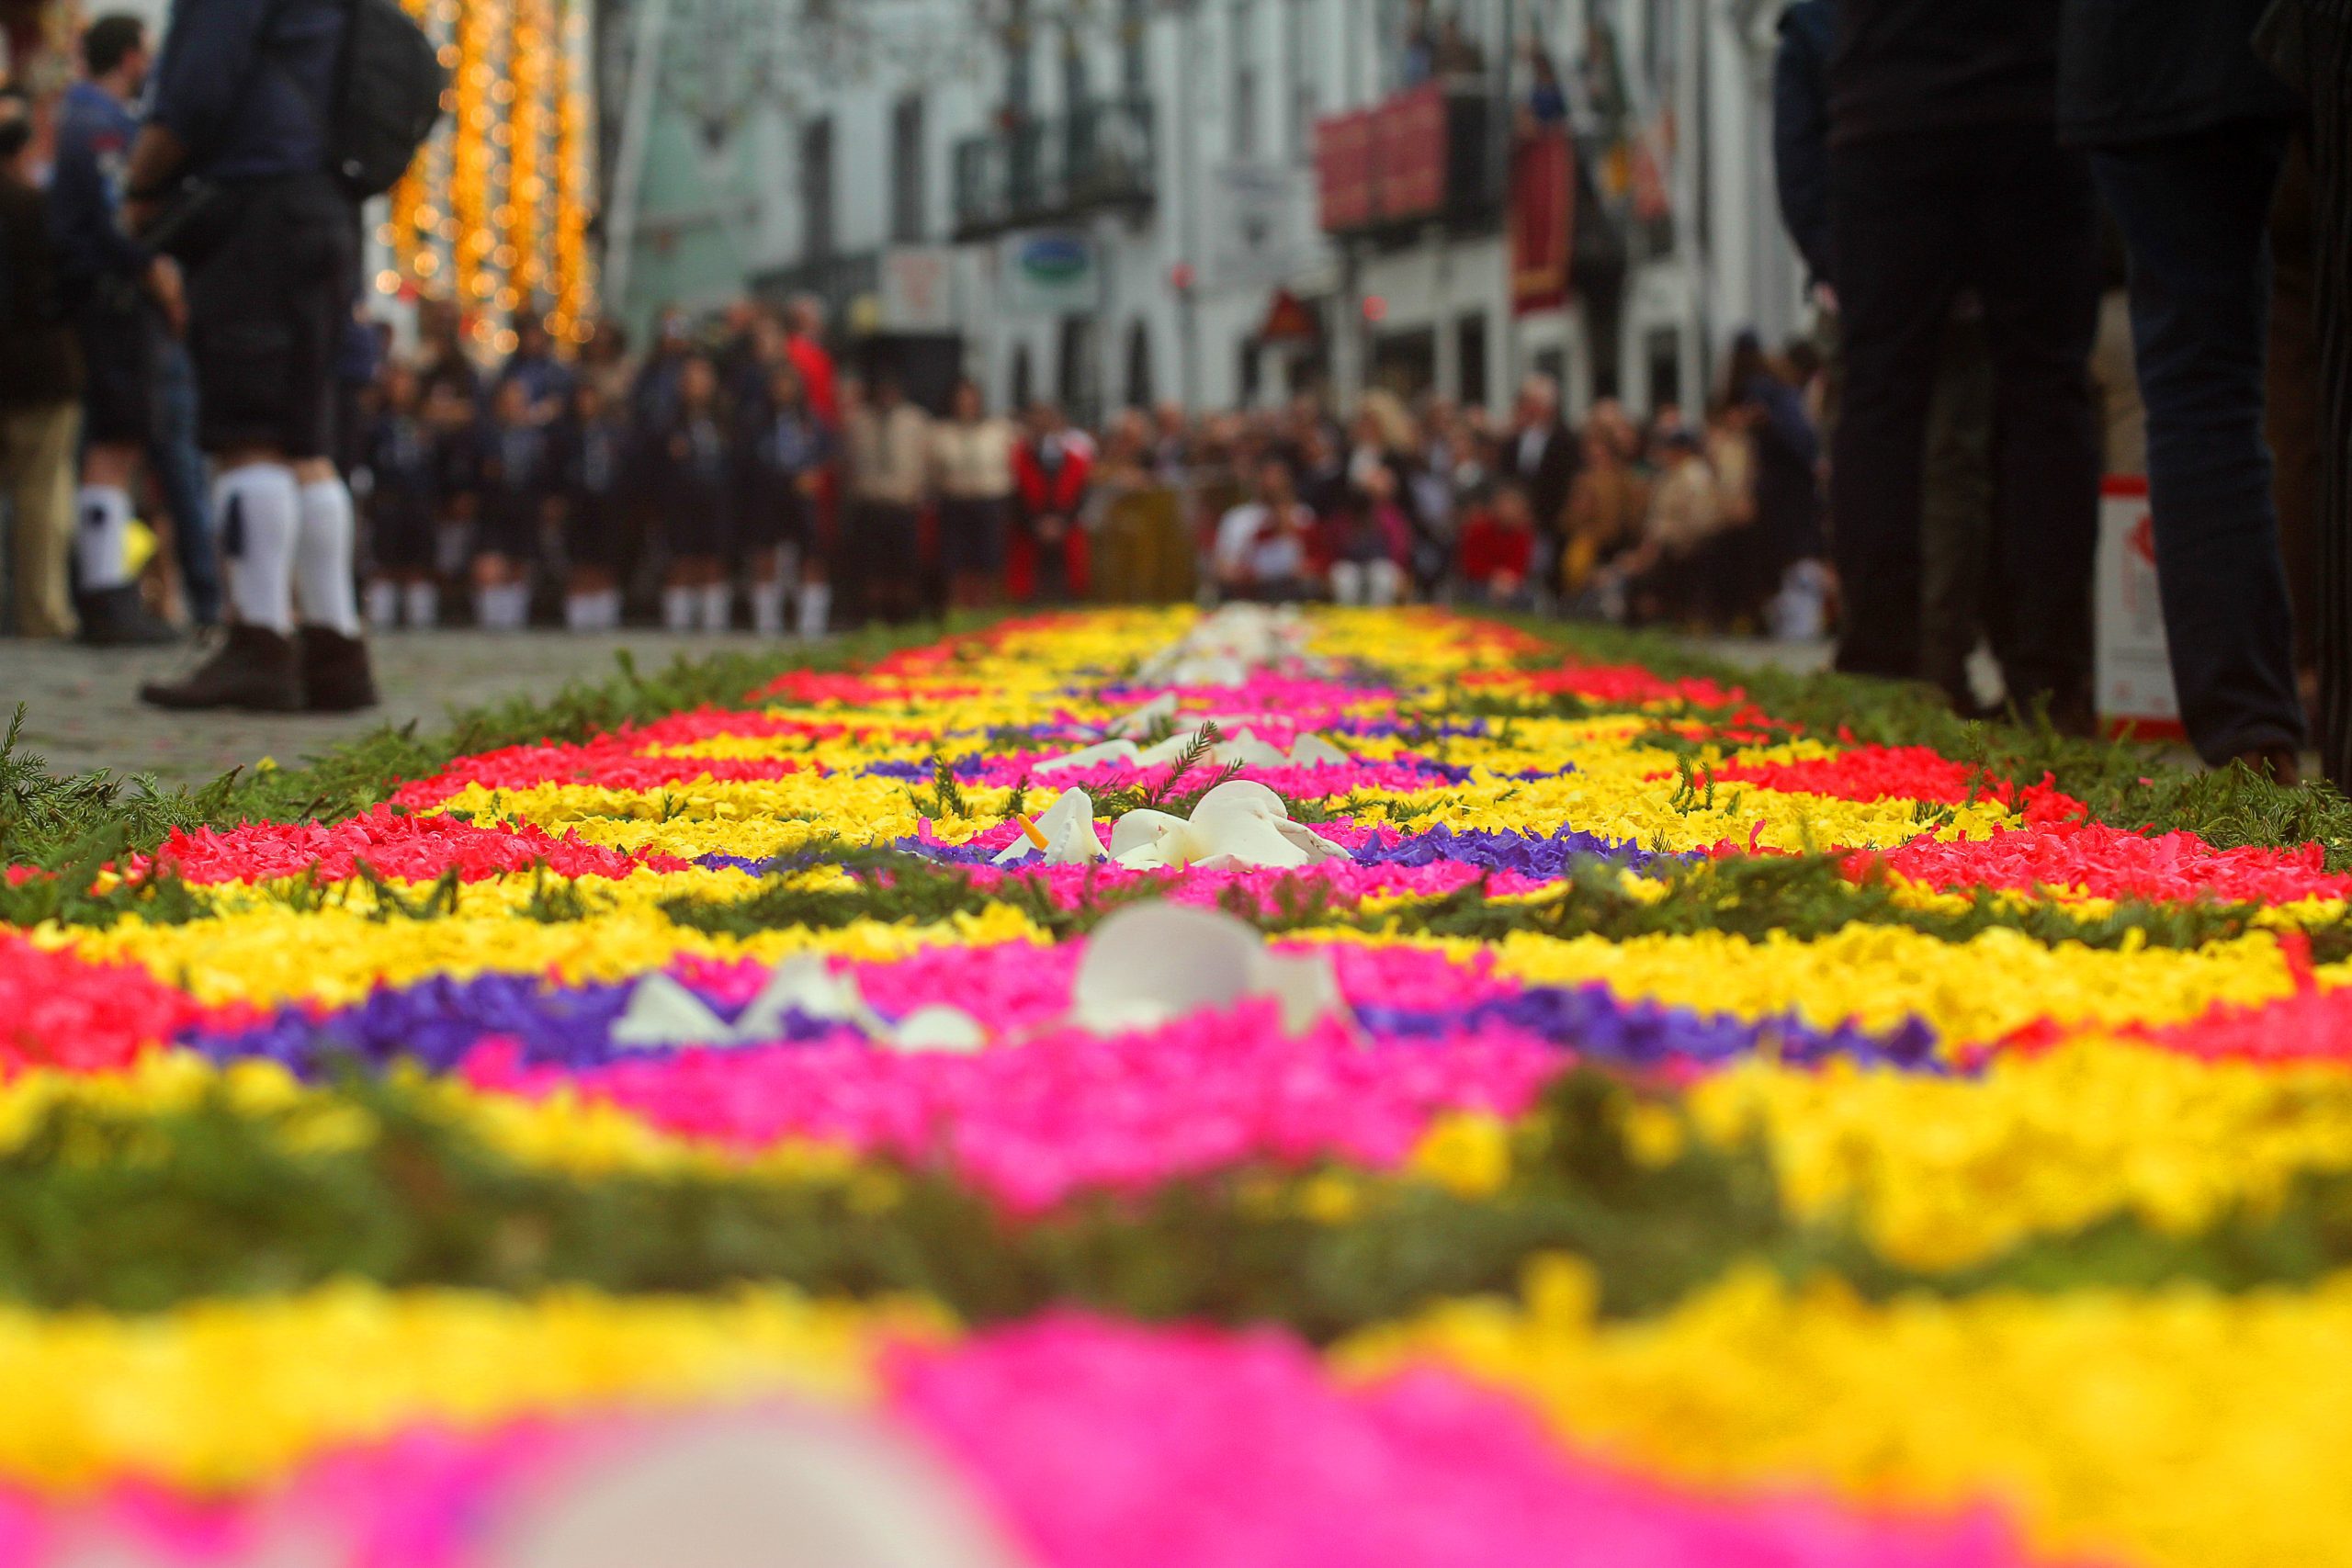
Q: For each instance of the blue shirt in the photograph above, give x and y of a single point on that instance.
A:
(94, 132)
(246, 106)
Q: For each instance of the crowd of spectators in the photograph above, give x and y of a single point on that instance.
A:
(733, 476)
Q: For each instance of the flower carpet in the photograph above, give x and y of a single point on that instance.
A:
(1365, 1088)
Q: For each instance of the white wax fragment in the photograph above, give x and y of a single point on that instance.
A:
(1140, 721)
(1140, 829)
(1086, 757)
(937, 1027)
(781, 1488)
(1150, 963)
(1240, 838)
(1314, 845)
(1250, 752)
(1313, 750)
(1245, 797)
(1067, 828)
(1166, 751)
(1306, 986)
(806, 985)
(662, 1013)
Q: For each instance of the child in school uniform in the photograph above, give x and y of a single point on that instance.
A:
(789, 449)
(591, 446)
(692, 513)
(403, 504)
(516, 484)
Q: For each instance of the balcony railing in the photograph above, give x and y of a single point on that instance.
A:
(1035, 172)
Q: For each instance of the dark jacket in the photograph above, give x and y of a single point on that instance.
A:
(1546, 479)
(245, 106)
(1801, 129)
(40, 360)
(94, 134)
(1902, 66)
(2136, 70)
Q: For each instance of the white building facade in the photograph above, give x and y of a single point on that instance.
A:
(1121, 204)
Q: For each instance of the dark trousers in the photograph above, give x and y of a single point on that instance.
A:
(178, 465)
(1916, 219)
(2195, 212)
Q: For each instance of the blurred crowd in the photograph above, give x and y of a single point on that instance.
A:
(734, 476)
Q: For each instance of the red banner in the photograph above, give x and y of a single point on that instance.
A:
(1344, 170)
(1542, 221)
(1410, 153)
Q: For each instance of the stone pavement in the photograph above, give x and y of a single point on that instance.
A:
(83, 709)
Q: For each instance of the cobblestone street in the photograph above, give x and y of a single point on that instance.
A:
(83, 709)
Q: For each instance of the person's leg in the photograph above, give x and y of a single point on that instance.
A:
(1956, 507)
(2290, 392)
(1346, 583)
(2032, 246)
(1894, 230)
(177, 466)
(2195, 211)
(323, 549)
(2328, 83)
(40, 441)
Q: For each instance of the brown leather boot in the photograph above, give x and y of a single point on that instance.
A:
(255, 668)
(336, 673)
(2278, 763)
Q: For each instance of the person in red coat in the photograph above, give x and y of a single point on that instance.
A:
(1496, 549)
(1050, 470)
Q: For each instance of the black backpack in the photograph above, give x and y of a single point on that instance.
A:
(388, 97)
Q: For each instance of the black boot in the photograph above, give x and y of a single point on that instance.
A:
(336, 677)
(255, 668)
(117, 618)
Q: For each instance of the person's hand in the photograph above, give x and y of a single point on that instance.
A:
(1050, 529)
(171, 294)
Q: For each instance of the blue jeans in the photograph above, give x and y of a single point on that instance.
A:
(179, 468)
(2195, 212)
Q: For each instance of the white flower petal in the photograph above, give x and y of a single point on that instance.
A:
(1242, 797)
(806, 985)
(937, 1027)
(1086, 757)
(1141, 827)
(1149, 963)
(1312, 750)
(662, 1013)
(1313, 844)
(1140, 721)
(1306, 986)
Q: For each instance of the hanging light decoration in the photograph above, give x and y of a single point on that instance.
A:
(494, 213)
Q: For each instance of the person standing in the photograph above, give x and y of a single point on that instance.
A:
(694, 475)
(122, 299)
(2187, 131)
(245, 95)
(972, 451)
(1052, 472)
(1945, 174)
(888, 442)
(1540, 455)
(40, 386)
(787, 451)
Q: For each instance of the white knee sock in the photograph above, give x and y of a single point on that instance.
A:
(768, 608)
(489, 608)
(323, 580)
(422, 601)
(579, 612)
(717, 603)
(383, 604)
(677, 609)
(102, 537)
(816, 603)
(609, 610)
(259, 508)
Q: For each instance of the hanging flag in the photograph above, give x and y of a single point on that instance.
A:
(1542, 221)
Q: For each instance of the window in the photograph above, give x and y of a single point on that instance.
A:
(1243, 111)
(1298, 57)
(1135, 19)
(1470, 357)
(817, 190)
(1139, 389)
(907, 187)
